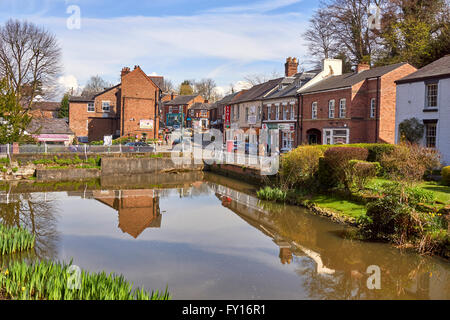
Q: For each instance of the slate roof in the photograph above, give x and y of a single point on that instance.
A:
(258, 91)
(46, 105)
(49, 126)
(437, 69)
(291, 89)
(158, 80)
(180, 100)
(81, 99)
(350, 79)
(202, 106)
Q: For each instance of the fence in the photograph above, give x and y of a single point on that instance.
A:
(49, 149)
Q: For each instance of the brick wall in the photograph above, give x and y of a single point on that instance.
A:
(388, 100)
(140, 97)
(78, 117)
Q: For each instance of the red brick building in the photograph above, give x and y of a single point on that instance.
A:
(175, 111)
(356, 107)
(127, 109)
(44, 109)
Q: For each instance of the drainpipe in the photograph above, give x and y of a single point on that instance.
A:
(300, 118)
(377, 111)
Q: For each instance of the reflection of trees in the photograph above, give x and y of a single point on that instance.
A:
(37, 215)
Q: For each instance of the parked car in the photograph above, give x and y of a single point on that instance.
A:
(138, 147)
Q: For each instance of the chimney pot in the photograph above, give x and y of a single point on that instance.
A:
(125, 71)
(291, 67)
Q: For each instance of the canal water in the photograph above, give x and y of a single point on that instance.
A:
(208, 237)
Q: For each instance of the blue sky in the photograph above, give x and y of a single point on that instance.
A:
(179, 39)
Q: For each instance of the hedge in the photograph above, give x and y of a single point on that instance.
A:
(446, 175)
(376, 150)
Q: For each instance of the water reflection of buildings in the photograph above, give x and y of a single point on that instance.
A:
(337, 261)
(137, 209)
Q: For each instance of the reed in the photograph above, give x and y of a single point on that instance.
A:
(46, 280)
(271, 194)
(13, 239)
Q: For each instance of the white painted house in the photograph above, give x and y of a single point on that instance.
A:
(425, 94)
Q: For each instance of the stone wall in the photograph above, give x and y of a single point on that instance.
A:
(66, 174)
(114, 166)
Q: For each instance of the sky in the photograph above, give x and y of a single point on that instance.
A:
(178, 39)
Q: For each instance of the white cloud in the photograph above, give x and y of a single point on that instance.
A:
(68, 82)
(263, 6)
(220, 46)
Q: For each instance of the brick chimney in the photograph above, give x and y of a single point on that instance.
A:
(362, 67)
(125, 71)
(291, 67)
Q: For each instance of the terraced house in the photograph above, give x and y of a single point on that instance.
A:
(127, 109)
(175, 112)
(357, 107)
(280, 109)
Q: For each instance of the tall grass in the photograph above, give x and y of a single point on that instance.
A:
(47, 280)
(272, 194)
(13, 239)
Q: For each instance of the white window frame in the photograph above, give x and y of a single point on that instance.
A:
(329, 135)
(277, 115)
(285, 111)
(427, 95)
(259, 113)
(342, 108)
(292, 112)
(331, 109)
(106, 109)
(269, 112)
(91, 104)
(373, 107)
(314, 110)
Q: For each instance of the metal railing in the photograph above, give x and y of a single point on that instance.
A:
(84, 148)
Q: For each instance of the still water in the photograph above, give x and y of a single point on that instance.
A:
(208, 237)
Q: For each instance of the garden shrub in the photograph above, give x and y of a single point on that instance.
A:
(299, 166)
(396, 214)
(326, 176)
(338, 159)
(446, 175)
(410, 162)
(361, 172)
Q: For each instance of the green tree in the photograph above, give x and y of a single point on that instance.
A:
(14, 119)
(411, 130)
(64, 109)
(186, 88)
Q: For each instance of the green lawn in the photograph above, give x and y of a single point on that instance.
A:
(340, 205)
(441, 192)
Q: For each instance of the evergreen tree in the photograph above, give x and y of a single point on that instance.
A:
(64, 109)
(186, 88)
(13, 118)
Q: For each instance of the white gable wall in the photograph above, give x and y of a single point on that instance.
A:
(411, 103)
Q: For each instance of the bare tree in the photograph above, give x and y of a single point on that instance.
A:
(168, 86)
(349, 24)
(206, 88)
(29, 59)
(258, 78)
(321, 42)
(95, 85)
